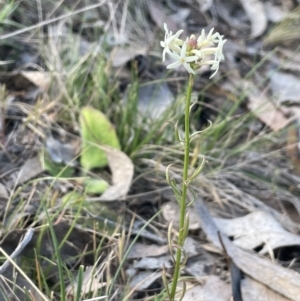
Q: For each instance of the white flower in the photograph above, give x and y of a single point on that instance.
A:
(211, 39)
(171, 42)
(219, 50)
(182, 59)
(206, 52)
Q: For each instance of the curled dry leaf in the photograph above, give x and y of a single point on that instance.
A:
(122, 170)
(256, 13)
(257, 229)
(281, 280)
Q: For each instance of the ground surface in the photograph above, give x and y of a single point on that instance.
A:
(86, 114)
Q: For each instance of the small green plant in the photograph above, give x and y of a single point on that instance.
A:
(192, 54)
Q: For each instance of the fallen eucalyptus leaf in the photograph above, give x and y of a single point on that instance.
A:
(253, 290)
(140, 250)
(31, 168)
(257, 229)
(213, 289)
(281, 280)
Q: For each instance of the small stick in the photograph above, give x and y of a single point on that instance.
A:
(27, 238)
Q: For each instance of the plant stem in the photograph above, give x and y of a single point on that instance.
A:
(181, 236)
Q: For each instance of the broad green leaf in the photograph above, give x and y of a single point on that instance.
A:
(95, 129)
(95, 186)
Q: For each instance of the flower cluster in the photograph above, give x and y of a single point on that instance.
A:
(194, 53)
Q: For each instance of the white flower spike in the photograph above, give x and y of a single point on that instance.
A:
(194, 53)
(182, 59)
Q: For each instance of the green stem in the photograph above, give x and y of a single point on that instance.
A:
(181, 236)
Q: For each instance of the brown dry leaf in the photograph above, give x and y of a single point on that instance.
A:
(171, 211)
(213, 289)
(263, 108)
(279, 279)
(158, 15)
(253, 290)
(141, 250)
(122, 170)
(256, 13)
(121, 56)
(31, 168)
(143, 280)
(40, 79)
(257, 229)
